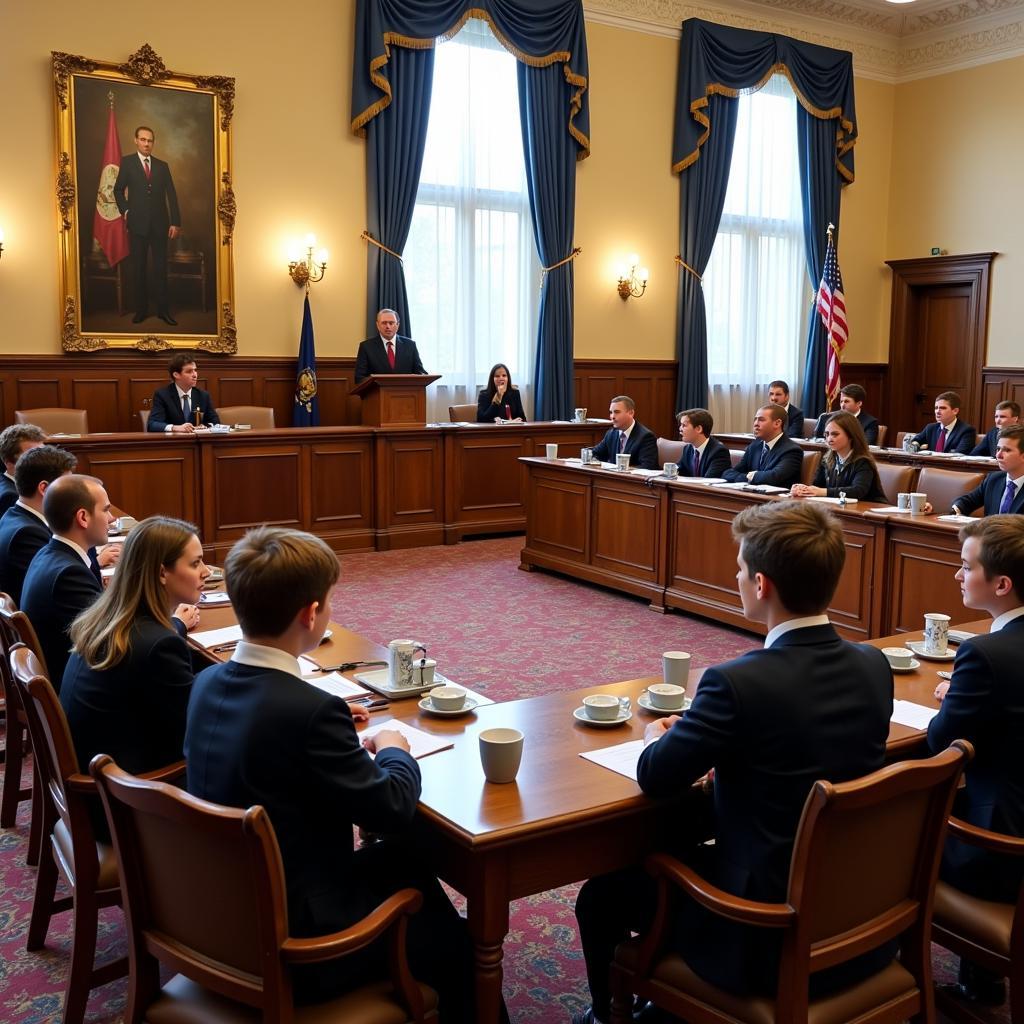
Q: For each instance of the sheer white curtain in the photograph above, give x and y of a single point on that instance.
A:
(755, 286)
(471, 265)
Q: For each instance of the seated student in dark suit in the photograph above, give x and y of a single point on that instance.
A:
(778, 394)
(15, 440)
(807, 706)
(175, 406)
(999, 492)
(258, 733)
(1007, 415)
(499, 400)
(127, 683)
(705, 455)
(947, 433)
(23, 528)
(389, 352)
(628, 435)
(847, 467)
(982, 703)
(771, 458)
(63, 580)
(851, 399)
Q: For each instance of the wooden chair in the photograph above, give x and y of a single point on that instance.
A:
(144, 417)
(944, 486)
(259, 417)
(669, 450)
(985, 931)
(900, 434)
(809, 466)
(896, 479)
(462, 413)
(179, 855)
(736, 456)
(883, 430)
(836, 907)
(87, 866)
(55, 420)
(15, 628)
(810, 422)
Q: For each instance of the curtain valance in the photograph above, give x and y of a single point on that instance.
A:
(725, 61)
(538, 32)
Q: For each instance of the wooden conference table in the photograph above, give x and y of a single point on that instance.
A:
(672, 544)
(564, 819)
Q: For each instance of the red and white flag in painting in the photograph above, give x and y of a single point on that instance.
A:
(108, 227)
(832, 309)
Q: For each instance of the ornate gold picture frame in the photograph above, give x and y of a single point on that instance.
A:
(113, 279)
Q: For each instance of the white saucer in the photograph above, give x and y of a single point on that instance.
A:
(917, 646)
(914, 664)
(428, 707)
(645, 702)
(580, 714)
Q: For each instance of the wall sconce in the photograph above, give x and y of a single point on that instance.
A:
(309, 270)
(632, 281)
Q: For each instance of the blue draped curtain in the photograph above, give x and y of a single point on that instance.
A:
(716, 62)
(549, 38)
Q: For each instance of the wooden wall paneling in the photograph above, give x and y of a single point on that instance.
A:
(650, 383)
(873, 378)
(140, 396)
(409, 489)
(237, 390)
(1002, 384)
(103, 399)
(36, 393)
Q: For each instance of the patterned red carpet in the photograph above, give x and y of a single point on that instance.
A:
(493, 628)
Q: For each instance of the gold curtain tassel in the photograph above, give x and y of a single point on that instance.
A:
(686, 266)
(367, 237)
(554, 266)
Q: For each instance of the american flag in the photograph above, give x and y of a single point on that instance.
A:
(832, 309)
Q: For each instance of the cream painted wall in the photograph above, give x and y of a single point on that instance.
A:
(956, 183)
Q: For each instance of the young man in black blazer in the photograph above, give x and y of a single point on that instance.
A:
(15, 440)
(999, 492)
(948, 433)
(628, 436)
(389, 352)
(64, 577)
(851, 399)
(778, 394)
(807, 706)
(23, 527)
(705, 456)
(174, 406)
(983, 703)
(258, 733)
(771, 458)
(1007, 415)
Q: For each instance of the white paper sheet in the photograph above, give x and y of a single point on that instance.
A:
(211, 598)
(420, 743)
(831, 501)
(621, 758)
(915, 716)
(955, 519)
(212, 637)
(331, 682)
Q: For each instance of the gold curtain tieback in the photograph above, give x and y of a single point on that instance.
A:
(686, 266)
(571, 256)
(367, 237)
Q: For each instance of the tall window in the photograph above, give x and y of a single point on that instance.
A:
(755, 286)
(471, 265)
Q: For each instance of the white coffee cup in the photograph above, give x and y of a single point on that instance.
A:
(423, 671)
(127, 523)
(666, 696)
(903, 500)
(898, 657)
(586, 456)
(552, 450)
(501, 751)
(918, 500)
(622, 462)
(400, 654)
(936, 633)
(671, 470)
(448, 698)
(602, 707)
(675, 668)
(581, 415)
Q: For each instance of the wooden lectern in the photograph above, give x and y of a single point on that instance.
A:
(394, 399)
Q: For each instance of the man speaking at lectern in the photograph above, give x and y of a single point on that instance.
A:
(388, 353)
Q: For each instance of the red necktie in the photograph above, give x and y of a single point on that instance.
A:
(145, 163)
(940, 444)
(391, 354)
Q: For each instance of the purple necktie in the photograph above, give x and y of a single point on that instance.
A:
(1011, 490)
(696, 462)
(622, 441)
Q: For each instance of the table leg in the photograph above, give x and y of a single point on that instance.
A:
(487, 916)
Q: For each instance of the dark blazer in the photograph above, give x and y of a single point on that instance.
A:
(770, 723)
(989, 495)
(150, 207)
(261, 736)
(985, 704)
(642, 447)
(858, 479)
(372, 357)
(8, 493)
(134, 711)
(987, 445)
(488, 412)
(58, 587)
(795, 422)
(167, 408)
(961, 439)
(781, 466)
(867, 423)
(713, 463)
(22, 536)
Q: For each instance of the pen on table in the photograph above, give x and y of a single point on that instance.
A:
(345, 666)
(221, 648)
(371, 705)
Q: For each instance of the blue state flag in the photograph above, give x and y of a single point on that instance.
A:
(307, 405)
